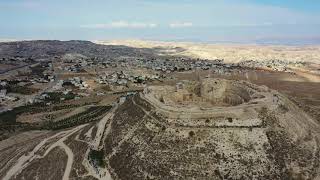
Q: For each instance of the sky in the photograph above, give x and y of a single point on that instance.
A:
(239, 21)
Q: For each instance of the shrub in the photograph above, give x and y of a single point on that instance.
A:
(97, 157)
(191, 134)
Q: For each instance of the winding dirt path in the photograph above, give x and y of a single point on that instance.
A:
(25, 160)
(58, 140)
(104, 127)
(69, 162)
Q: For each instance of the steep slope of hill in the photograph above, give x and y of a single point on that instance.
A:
(214, 129)
(265, 138)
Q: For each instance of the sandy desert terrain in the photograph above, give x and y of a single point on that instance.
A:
(231, 53)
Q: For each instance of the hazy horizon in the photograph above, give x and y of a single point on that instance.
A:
(288, 22)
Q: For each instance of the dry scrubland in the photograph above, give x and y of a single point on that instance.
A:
(227, 121)
(231, 53)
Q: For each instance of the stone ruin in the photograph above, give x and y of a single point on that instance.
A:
(213, 129)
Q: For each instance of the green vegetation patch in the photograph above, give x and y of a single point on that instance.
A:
(21, 89)
(57, 96)
(92, 114)
(97, 157)
(38, 70)
(9, 117)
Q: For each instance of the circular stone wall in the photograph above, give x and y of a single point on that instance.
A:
(224, 92)
(207, 93)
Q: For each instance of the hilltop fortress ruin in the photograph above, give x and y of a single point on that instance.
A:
(210, 103)
(213, 129)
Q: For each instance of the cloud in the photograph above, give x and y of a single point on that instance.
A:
(266, 24)
(180, 24)
(121, 24)
(20, 4)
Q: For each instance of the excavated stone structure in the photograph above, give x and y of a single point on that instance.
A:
(213, 129)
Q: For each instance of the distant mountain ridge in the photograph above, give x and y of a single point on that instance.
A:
(50, 48)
